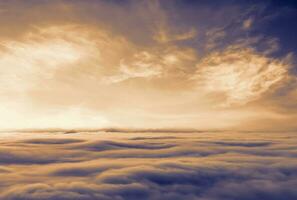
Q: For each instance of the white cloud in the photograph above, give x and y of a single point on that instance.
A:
(241, 75)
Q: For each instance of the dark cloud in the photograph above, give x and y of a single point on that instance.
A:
(244, 144)
(109, 145)
(159, 138)
(80, 171)
(52, 141)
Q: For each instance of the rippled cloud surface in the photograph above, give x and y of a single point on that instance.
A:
(155, 165)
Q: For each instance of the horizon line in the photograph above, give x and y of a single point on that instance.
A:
(134, 130)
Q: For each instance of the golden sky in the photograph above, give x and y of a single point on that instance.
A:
(141, 64)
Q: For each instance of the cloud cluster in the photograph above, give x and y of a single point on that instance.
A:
(165, 165)
(240, 74)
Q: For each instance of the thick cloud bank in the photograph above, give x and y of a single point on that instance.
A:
(125, 166)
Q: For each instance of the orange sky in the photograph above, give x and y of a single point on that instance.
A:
(102, 64)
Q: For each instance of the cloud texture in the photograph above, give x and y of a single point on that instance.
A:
(167, 165)
(156, 63)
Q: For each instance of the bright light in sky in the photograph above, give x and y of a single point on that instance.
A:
(91, 71)
(148, 99)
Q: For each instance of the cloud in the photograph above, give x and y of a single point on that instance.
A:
(37, 57)
(163, 37)
(247, 24)
(244, 144)
(81, 170)
(241, 75)
(205, 165)
(52, 141)
(77, 190)
(142, 65)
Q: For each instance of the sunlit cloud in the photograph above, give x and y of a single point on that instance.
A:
(240, 75)
(155, 165)
(247, 24)
(39, 55)
(163, 37)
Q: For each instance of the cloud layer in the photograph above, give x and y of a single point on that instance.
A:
(167, 165)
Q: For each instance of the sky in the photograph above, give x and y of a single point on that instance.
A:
(148, 99)
(182, 64)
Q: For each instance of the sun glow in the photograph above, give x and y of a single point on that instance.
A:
(79, 76)
(39, 56)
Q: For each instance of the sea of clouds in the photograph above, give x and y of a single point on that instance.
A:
(148, 165)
